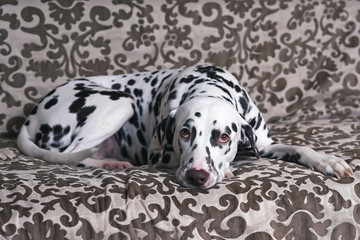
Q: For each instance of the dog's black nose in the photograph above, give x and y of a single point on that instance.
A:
(197, 178)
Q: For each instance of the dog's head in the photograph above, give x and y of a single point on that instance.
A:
(205, 139)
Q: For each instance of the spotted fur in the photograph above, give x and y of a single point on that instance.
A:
(195, 119)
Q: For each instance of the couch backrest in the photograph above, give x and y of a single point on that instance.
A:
(297, 59)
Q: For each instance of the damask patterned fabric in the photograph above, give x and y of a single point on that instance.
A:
(299, 61)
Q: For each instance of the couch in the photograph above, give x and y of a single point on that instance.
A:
(299, 61)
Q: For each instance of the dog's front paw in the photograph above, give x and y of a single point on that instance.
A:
(121, 165)
(331, 165)
(228, 173)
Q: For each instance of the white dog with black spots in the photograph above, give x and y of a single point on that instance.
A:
(194, 119)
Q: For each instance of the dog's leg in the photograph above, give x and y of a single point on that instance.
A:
(72, 121)
(99, 132)
(325, 163)
(108, 117)
(108, 157)
(106, 163)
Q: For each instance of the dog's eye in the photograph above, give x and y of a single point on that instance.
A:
(185, 133)
(224, 138)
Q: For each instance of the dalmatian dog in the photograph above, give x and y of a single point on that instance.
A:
(195, 120)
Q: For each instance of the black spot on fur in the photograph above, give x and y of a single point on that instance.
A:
(38, 137)
(252, 122)
(137, 159)
(134, 120)
(124, 152)
(127, 90)
(45, 128)
(154, 158)
(129, 140)
(83, 114)
(154, 81)
(227, 150)
(115, 95)
(291, 157)
(188, 122)
(172, 95)
(192, 135)
(198, 82)
(220, 165)
(227, 130)
(157, 105)
(141, 137)
(59, 132)
(267, 155)
(131, 82)
(169, 130)
(183, 98)
(51, 103)
(57, 129)
(144, 154)
(42, 138)
(138, 92)
(258, 121)
(166, 158)
(225, 91)
(234, 127)
(77, 105)
(244, 102)
(116, 86)
(143, 127)
(197, 114)
(55, 144)
(209, 160)
(67, 130)
(188, 79)
(85, 93)
(215, 134)
(209, 69)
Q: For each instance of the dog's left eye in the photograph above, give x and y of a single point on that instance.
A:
(185, 133)
(224, 138)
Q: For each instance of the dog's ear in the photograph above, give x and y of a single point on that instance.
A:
(170, 127)
(165, 129)
(251, 137)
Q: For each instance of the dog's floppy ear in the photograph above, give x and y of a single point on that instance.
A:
(165, 129)
(250, 136)
(170, 127)
(165, 132)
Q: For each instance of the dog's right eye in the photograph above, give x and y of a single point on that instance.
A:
(185, 133)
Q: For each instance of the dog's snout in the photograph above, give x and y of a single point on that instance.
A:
(197, 178)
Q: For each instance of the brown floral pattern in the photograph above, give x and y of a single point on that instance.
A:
(299, 60)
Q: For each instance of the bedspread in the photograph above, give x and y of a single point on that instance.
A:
(299, 61)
